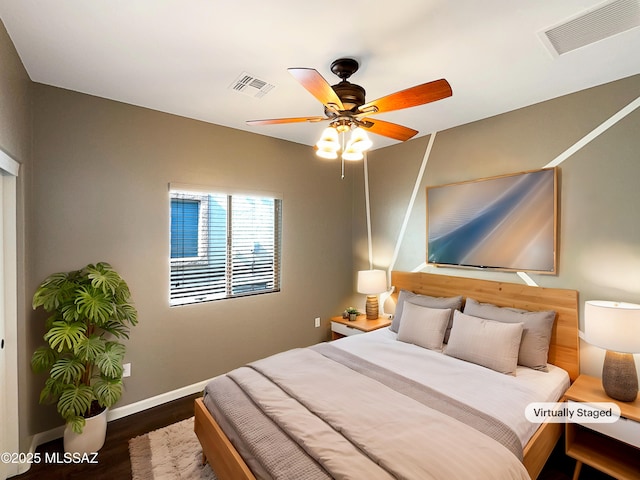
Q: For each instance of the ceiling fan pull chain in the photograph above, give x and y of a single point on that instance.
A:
(342, 156)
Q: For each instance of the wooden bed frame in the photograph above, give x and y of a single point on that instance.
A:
(564, 352)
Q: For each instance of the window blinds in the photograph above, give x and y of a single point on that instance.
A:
(223, 245)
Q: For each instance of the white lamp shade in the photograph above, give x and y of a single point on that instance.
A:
(613, 326)
(372, 282)
(330, 135)
(327, 153)
(360, 140)
(350, 154)
(328, 144)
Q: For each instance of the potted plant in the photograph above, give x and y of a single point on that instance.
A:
(352, 312)
(91, 309)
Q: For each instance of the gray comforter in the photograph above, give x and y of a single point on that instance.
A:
(320, 412)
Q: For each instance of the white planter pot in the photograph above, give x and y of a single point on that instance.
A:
(92, 437)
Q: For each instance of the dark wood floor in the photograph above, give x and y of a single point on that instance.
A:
(113, 458)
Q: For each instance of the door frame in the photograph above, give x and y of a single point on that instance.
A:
(10, 439)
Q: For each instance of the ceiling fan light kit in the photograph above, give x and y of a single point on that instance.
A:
(329, 145)
(346, 109)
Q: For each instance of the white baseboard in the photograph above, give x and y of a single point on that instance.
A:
(119, 412)
(161, 399)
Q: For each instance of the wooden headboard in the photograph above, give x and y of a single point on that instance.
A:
(564, 350)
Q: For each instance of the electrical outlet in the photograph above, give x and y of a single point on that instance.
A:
(317, 322)
(126, 370)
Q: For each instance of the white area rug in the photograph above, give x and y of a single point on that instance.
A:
(169, 453)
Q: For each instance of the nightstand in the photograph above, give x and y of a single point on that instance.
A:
(612, 448)
(343, 327)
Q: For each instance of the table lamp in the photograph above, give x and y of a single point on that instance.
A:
(615, 326)
(371, 283)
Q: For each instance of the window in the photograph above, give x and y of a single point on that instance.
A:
(223, 245)
(189, 226)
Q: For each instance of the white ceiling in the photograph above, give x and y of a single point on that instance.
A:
(181, 56)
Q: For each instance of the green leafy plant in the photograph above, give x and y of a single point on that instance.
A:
(352, 310)
(91, 308)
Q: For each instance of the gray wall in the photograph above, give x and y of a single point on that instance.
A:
(15, 121)
(599, 231)
(15, 140)
(100, 193)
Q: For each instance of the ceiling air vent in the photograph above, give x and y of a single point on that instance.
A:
(251, 86)
(588, 27)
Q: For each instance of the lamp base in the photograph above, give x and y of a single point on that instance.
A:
(619, 376)
(371, 307)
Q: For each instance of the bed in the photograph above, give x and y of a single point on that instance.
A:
(462, 427)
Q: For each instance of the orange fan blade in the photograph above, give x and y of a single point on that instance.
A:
(388, 129)
(274, 121)
(317, 86)
(411, 97)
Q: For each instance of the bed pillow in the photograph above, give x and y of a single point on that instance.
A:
(454, 303)
(488, 343)
(423, 326)
(536, 336)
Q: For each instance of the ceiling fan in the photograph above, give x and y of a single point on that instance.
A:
(345, 106)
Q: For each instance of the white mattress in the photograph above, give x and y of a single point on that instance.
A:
(504, 397)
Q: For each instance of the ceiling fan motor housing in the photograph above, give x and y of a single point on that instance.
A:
(350, 94)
